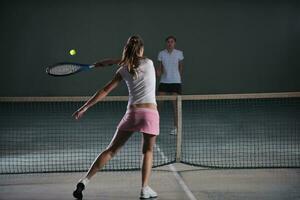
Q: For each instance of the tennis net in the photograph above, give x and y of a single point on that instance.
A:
(241, 131)
(38, 134)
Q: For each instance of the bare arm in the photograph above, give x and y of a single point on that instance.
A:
(99, 95)
(159, 69)
(108, 61)
(181, 68)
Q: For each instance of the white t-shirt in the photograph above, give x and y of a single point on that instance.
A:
(170, 63)
(142, 88)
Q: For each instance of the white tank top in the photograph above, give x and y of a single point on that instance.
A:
(142, 88)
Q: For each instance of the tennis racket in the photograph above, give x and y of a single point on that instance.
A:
(67, 68)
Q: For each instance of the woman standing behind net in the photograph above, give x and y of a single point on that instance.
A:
(141, 116)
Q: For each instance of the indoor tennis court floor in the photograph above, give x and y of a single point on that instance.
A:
(176, 182)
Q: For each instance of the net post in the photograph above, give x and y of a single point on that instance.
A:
(179, 128)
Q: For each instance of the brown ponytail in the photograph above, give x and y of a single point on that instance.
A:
(131, 54)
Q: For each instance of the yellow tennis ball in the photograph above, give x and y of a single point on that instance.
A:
(72, 52)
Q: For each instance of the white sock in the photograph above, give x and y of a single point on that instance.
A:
(85, 181)
(145, 187)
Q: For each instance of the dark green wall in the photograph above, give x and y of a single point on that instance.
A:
(229, 47)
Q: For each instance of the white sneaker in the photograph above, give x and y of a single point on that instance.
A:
(173, 131)
(147, 193)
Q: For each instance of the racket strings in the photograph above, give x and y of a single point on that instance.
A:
(64, 69)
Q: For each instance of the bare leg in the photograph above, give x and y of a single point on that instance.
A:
(175, 111)
(117, 142)
(148, 144)
(160, 103)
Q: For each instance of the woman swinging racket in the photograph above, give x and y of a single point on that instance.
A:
(141, 116)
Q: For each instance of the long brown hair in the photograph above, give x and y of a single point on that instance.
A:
(131, 54)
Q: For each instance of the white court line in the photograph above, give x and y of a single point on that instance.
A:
(177, 176)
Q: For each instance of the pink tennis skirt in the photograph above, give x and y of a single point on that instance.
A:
(144, 120)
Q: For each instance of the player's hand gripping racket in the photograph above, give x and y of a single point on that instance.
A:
(67, 68)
